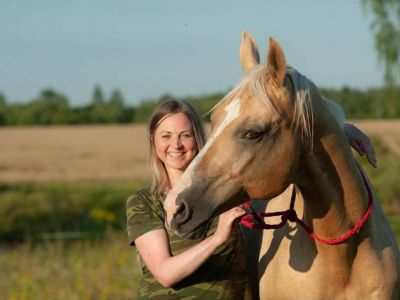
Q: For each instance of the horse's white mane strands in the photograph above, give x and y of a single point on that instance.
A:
(254, 80)
(256, 83)
(303, 110)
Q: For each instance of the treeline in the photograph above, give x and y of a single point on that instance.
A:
(51, 107)
(378, 103)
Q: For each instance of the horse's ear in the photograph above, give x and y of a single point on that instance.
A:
(249, 56)
(276, 62)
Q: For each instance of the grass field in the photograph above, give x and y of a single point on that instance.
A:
(63, 270)
(67, 170)
(387, 130)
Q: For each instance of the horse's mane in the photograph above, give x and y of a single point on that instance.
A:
(255, 81)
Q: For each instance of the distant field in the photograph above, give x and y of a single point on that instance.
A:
(72, 153)
(109, 152)
(386, 130)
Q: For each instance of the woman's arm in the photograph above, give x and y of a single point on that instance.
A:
(154, 249)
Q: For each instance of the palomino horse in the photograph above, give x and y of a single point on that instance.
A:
(273, 130)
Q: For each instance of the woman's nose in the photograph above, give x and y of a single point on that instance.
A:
(177, 143)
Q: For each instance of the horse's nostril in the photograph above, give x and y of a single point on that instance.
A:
(183, 213)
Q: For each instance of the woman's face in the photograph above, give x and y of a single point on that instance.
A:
(174, 142)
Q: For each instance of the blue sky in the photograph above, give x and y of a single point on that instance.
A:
(147, 48)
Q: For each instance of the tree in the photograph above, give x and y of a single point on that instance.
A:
(49, 108)
(115, 107)
(98, 111)
(146, 107)
(385, 26)
(386, 29)
(98, 97)
(117, 98)
(3, 101)
(3, 106)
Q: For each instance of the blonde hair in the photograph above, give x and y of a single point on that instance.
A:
(160, 183)
(303, 107)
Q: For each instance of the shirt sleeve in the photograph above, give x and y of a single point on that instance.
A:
(141, 217)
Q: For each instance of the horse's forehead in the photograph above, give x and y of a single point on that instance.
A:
(232, 111)
(226, 114)
(252, 110)
(220, 113)
(238, 107)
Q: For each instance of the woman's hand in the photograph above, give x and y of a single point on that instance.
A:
(226, 223)
(360, 142)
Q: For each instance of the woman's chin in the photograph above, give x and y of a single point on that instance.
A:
(178, 165)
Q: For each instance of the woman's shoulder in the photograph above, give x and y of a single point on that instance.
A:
(146, 200)
(142, 194)
(144, 213)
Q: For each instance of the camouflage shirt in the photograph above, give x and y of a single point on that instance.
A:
(222, 276)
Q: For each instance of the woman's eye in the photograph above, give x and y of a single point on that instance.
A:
(251, 135)
(187, 135)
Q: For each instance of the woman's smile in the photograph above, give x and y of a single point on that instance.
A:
(176, 155)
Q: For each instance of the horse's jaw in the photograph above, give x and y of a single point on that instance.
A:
(194, 215)
(187, 218)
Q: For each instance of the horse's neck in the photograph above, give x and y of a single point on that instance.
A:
(335, 197)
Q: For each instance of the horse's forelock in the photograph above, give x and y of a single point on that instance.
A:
(255, 79)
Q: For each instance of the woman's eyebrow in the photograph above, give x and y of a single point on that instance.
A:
(182, 131)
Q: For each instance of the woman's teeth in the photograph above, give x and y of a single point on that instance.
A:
(175, 154)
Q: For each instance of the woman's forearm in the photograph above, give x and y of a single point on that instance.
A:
(173, 269)
(169, 269)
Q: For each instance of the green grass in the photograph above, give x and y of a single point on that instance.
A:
(394, 221)
(36, 211)
(84, 269)
(385, 177)
(74, 267)
(75, 244)
(87, 269)
(57, 261)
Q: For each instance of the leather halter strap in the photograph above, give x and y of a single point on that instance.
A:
(291, 215)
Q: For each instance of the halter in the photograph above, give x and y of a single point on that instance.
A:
(291, 215)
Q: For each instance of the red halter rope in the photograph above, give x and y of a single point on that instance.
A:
(290, 215)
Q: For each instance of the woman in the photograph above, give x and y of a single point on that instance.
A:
(207, 267)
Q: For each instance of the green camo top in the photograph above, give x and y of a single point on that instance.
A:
(222, 276)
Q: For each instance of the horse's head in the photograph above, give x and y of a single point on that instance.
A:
(255, 143)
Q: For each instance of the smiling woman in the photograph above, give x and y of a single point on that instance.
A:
(175, 144)
(160, 134)
(207, 266)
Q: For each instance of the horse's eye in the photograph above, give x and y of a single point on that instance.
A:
(251, 135)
